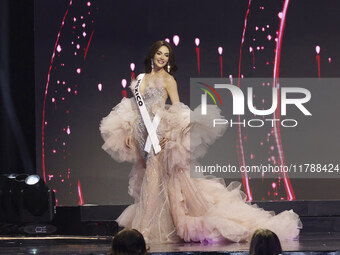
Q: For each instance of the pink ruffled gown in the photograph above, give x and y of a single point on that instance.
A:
(169, 205)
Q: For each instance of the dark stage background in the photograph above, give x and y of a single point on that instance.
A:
(83, 49)
(17, 89)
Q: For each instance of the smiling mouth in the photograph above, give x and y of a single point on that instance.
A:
(161, 62)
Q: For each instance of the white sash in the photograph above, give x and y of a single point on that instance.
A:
(150, 126)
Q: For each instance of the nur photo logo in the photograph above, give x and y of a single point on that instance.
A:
(280, 98)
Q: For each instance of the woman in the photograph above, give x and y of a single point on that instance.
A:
(265, 242)
(169, 205)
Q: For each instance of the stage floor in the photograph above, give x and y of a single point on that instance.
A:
(309, 243)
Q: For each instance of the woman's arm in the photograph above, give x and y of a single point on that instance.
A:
(171, 88)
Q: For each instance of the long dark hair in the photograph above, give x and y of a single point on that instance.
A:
(265, 242)
(152, 51)
(128, 242)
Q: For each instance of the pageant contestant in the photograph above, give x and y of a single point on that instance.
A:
(169, 205)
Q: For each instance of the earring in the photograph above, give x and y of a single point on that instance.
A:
(168, 68)
(152, 65)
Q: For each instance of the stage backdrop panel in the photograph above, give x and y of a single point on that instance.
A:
(84, 50)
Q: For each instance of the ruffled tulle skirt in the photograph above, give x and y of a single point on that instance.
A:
(169, 204)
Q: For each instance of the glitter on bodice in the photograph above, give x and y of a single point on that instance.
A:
(154, 98)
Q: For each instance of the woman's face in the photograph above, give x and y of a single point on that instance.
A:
(161, 58)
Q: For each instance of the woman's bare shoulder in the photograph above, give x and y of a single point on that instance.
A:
(169, 80)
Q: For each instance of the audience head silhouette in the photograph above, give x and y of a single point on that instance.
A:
(265, 242)
(128, 242)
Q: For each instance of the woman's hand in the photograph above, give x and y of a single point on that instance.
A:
(128, 142)
(163, 142)
(186, 129)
